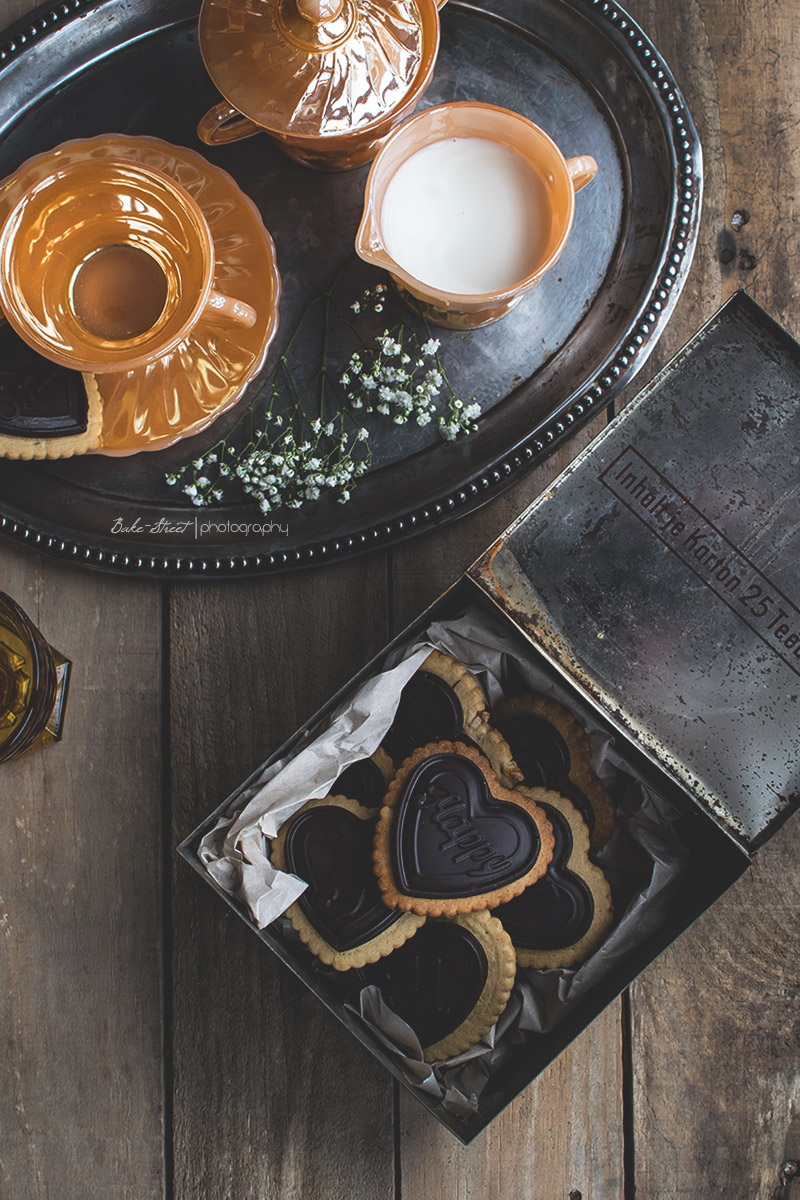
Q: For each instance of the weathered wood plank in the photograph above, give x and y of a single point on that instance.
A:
(564, 1132)
(561, 1136)
(715, 1045)
(272, 1098)
(80, 911)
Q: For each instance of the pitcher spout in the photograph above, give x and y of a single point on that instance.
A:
(369, 245)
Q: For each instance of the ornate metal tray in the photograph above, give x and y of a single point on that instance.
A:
(580, 68)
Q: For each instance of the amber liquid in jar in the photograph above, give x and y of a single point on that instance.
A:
(33, 684)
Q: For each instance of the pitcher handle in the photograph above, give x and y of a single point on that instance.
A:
(582, 170)
(219, 125)
(235, 310)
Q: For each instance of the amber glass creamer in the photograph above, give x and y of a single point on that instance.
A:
(557, 179)
(34, 679)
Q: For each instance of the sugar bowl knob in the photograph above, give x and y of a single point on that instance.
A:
(318, 12)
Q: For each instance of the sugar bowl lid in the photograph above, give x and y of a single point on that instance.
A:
(315, 68)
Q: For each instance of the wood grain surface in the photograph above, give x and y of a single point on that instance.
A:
(716, 1024)
(156, 1050)
(80, 904)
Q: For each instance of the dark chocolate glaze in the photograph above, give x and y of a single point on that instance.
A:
(331, 849)
(542, 755)
(558, 909)
(37, 398)
(452, 838)
(434, 980)
(429, 711)
(362, 781)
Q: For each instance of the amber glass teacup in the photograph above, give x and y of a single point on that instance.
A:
(105, 266)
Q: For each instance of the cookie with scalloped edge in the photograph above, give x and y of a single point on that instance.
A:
(450, 983)
(451, 839)
(563, 918)
(443, 701)
(341, 916)
(552, 749)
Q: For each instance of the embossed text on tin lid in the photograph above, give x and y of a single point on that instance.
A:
(662, 569)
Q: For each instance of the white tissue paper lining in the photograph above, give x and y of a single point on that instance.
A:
(644, 859)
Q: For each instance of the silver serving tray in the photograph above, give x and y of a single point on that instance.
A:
(580, 68)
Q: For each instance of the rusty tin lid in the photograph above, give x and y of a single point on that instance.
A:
(661, 571)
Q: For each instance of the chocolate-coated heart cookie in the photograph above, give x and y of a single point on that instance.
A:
(37, 398)
(429, 711)
(552, 750)
(444, 702)
(452, 839)
(560, 920)
(341, 916)
(366, 780)
(450, 982)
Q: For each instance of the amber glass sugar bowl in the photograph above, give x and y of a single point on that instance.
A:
(328, 80)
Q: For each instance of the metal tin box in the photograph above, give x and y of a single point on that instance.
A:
(657, 580)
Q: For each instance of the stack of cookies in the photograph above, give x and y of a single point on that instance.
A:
(458, 851)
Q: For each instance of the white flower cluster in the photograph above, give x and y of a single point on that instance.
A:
(461, 418)
(372, 300)
(284, 473)
(387, 380)
(291, 459)
(291, 471)
(405, 386)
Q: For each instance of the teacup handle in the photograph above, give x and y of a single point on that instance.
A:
(582, 170)
(218, 126)
(235, 310)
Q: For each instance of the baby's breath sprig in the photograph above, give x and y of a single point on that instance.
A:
(282, 457)
(289, 457)
(284, 472)
(400, 376)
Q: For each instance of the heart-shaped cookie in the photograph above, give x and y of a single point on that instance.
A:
(450, 983)
(46, 411)
(429, 711)
(341, 916)
(443, 702)
(562, 919)
(552, 750)
(451, 839)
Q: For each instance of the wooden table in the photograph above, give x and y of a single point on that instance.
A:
(155, 1049)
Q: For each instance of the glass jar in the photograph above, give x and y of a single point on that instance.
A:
(34, 679)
